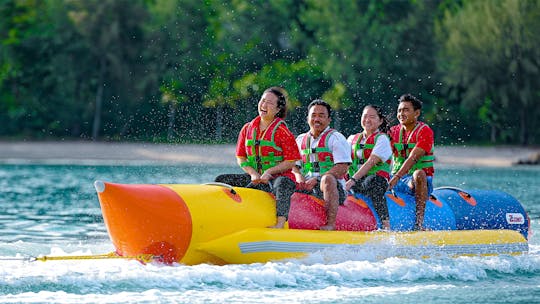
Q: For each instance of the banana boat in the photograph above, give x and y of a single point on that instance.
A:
(219, 224)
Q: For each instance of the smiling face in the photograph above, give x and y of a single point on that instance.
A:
(406, 114)
(318, 119)
(268, 106)
(370, 120)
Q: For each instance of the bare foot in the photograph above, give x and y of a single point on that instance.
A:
(280, 223)
(327, 227)
(420, 228)
(386, 225)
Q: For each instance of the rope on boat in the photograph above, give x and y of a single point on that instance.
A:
(143, 258)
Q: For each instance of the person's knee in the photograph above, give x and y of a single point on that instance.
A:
(376, 184)
(420, 179)
(380, 183)
(419, 176)
(220, 178)
(284, 182)
(328, 181)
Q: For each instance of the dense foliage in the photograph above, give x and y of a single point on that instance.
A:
(192, 71)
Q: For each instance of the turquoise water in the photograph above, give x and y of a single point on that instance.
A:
(53, 210)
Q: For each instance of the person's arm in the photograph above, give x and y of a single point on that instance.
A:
(370, 162)
(240, 160)
(413, 158)
(297, 174)
(424, 144)
(338, 170)
(284, 139)
(415, 155)
(279, 168)
(341, 151)
(241, 154)
(381, 152)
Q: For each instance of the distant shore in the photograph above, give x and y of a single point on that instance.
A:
(87, 152)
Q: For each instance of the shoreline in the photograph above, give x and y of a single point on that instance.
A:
(87, 152)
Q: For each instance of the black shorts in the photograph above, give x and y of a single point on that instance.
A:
(342, 195)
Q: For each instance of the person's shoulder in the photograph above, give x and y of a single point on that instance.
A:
(301, 136)
(283, 133)
(427, 125)
(283, 127)
(426, 128)
(382, 136)
(351, 137)
(337, 135)
(252, 122)
(383, 140)
(245, 127)
(394, 128)
(394, 131)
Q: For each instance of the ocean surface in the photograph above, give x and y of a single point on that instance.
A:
(54, 210)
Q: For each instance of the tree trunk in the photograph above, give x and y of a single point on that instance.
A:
(524, 132)
(172, 116)
(99, 100)
(219, 123)
(337, 121)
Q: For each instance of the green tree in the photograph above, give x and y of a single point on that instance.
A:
(372, 49)
(113, 33)
(41, 78)
(302, 81)
(180, 53)
(491, 55)
(249, 37)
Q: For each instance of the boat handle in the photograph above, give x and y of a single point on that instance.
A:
(453, 188)
(222, 185)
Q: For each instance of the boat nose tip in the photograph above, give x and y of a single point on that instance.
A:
(100, 186)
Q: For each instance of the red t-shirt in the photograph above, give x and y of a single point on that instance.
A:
(424, 140)
(283, 139)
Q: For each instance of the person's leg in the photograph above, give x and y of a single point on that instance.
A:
(429, 185)
(235, 180)
(377, 186)
(329, 188)
(405, 185)
(421, 196)
(261, 186)
(374, 187)
(284, 188)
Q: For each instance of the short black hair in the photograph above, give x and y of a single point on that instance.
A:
(416, 103)
(320, 102)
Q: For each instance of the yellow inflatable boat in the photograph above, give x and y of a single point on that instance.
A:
(219, 224)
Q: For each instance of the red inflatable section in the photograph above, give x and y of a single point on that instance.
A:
(308, 212)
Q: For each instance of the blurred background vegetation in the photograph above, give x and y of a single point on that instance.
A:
(192, 71)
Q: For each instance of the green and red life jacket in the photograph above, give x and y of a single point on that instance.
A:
(381, 168)
(402, 150)
(262, 153)
(324, 158)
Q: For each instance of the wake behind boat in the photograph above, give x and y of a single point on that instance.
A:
(220, 224)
